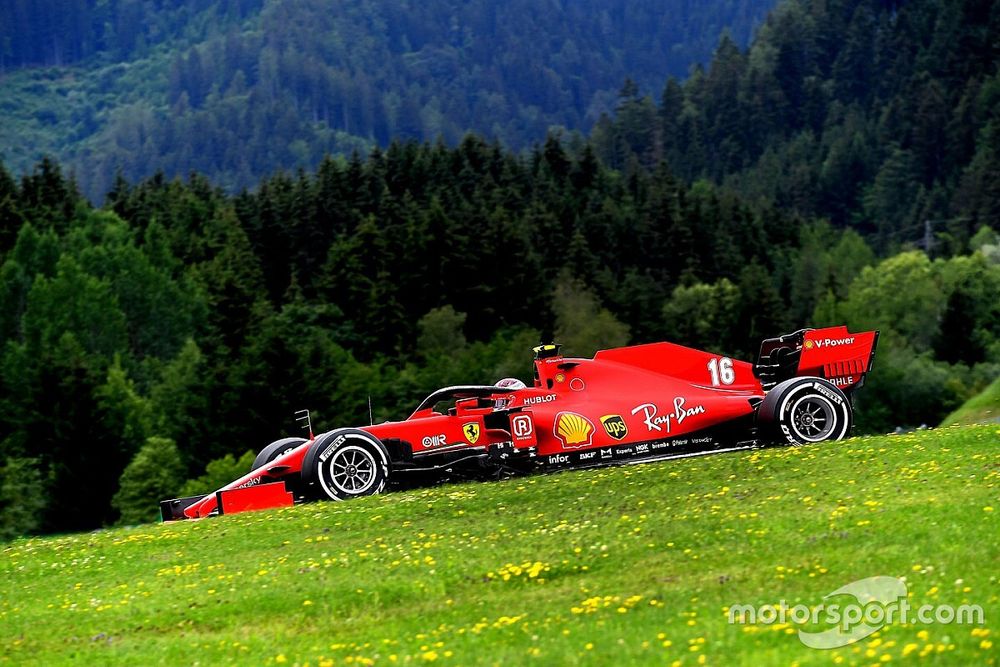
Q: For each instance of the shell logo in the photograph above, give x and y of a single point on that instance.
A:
(573, 430)
(809, 344)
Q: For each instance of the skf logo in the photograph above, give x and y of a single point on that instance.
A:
(471, 431)
(573, 430)
(615, 426)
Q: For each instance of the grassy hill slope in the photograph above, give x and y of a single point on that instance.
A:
(982, 407)
(624, 565)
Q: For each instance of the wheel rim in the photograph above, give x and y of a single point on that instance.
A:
(352, 470)
(813, 418)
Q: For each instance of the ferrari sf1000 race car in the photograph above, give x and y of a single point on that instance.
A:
(630, 404)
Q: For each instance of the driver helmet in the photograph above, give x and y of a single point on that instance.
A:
(507, 383)
(510, 383)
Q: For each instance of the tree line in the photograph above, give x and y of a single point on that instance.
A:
(177, 325)
(877, 115)
(155, 339)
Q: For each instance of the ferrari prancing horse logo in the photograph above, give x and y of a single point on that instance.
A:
(471, 431)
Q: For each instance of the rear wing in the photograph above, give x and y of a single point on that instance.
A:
(833, 353)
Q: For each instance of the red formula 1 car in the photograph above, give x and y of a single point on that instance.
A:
(640, 403)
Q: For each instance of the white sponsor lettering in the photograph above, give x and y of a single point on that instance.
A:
(651, 420)
(329, 450)
(533, 400)
(586, 456)
(606, 454)
(657, 422)
(250, 482)
(641, 449)
(843, 381)
(434, 440)
(833, 342)
(559, 458)
(826, 392)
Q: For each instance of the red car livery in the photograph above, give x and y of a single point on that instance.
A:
(625, 405)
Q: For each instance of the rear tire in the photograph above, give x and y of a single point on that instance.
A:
(276, 449)
(805, 410)
(346, 463)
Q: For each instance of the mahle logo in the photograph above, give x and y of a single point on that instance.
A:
(855, 611)
(615, 426)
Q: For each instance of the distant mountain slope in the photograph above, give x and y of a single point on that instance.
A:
(878, 114)
(236, 89)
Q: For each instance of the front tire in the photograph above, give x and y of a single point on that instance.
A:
(276, 449)
(805, 410)
(346, 463)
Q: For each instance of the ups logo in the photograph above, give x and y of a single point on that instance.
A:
(615, 426)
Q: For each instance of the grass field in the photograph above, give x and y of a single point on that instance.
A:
(983, 407)
(615, 566)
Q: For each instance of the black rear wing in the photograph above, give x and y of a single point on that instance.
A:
(778, 359)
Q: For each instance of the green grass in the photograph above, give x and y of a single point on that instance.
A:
(613, 566)
(983, 407)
